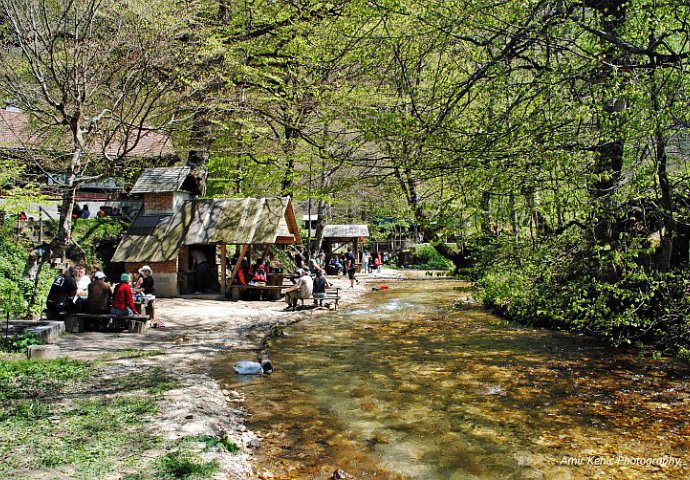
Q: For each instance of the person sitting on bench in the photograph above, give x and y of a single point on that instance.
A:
(98, 301)
(259, 277)
(299, 291)
(61, 293)
(320, 285)
(123, 302)
(100, 295)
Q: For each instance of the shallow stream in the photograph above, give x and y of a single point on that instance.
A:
(402, 386)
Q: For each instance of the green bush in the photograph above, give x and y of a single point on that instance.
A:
(607, 293)
(18, 343)
(427, 258)
(16, 289)
(89, 233)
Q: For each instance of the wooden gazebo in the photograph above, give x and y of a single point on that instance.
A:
(335, 236)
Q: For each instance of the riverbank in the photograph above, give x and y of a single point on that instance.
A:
(196, 332)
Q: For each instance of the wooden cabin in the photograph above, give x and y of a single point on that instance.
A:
(173, 222)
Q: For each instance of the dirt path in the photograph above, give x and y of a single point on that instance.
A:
(196, 331)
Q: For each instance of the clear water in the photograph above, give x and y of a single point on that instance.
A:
(400, 386)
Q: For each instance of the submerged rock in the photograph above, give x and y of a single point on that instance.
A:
(248, 368)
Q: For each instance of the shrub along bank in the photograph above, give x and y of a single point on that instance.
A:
(567, 283)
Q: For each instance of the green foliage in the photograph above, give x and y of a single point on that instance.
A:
(15, 288)
(610, 293)
(18, 343)
(427, 258)
(223, 443)
(683, 354)
(31, 378)
(179, 465)
(89, 233)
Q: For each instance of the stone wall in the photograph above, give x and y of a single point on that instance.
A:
(164, 276)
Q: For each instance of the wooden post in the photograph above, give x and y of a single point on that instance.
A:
(356, 248)
(223, 267)
(236, 267)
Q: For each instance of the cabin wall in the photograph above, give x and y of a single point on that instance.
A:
(164, 276)
(159, 202)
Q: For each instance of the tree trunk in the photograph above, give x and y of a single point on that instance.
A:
(200, 142)
(668, 221)
(609, 152)
(61, 241)
(323, 212)
(485, 215)
(289, 147)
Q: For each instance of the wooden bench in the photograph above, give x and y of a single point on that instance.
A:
(332, 294)
(76, 322)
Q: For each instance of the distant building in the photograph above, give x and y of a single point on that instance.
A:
(21, 140)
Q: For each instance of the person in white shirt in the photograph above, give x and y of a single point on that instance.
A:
(83, 281)
(303, 289)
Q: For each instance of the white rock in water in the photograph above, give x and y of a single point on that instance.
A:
(248, 368)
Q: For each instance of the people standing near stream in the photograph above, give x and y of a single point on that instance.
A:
(299, 258)
(351, 266)
(378, 262)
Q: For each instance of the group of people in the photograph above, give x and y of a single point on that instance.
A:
(84, 212)
(74, 291)
(253, 274)
(307, 287)
(345, 264)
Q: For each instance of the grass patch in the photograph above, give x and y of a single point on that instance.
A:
(182, 465)
(38, 379)
(90, 436)
(153, 380)
(61, 419)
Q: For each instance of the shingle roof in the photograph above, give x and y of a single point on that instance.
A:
(345, 231)
(17, 133)
(158, 238)
(162, 179)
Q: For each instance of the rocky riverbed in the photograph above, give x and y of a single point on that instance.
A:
(195, 332)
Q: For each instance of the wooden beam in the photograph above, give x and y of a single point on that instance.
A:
(267, 250)
(223, 267)
(236, 267)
